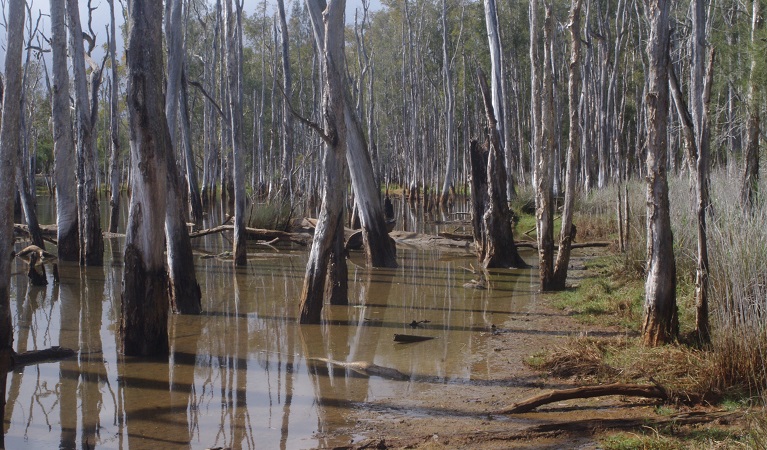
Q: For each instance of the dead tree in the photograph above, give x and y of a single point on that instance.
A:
(233, 50)
(535, 94)
(491, 215)
(25, 172)
(448, 64)
(750, 183)
(86, 111)
(697, 134)
(330, 223)
(184, 290)
(286, 164)
(144, 314)
(63, 141)
(567, 233)
(9, 144)
(380, 249)
(661, 321)
(544, 180)
(114, 128)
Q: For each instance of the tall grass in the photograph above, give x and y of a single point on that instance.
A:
(738, 255)
(737, 244)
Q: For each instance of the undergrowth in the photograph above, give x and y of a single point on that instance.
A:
(730, 371)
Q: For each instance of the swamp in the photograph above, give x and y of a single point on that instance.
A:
(357, 224)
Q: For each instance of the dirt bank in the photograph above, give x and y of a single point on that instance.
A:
(464, 413)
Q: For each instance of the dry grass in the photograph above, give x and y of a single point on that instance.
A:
(582, 358)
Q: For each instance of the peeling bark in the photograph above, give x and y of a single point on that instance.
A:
(660, 324)
(9, 144)
(89, 216)
(567, 233)
(497, 239)
(330, 223)
(144, 312)
(63, 141)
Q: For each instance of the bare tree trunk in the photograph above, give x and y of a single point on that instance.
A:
(750, 184)
(91, 240)
(114, 166)
(535, 93)
(211, 139)
(25, 169)
(144, 314)
(286, 165)
(380, 249)
(498, 242)
(63, 141)
(233, 31)
(697, 136)
(9, 144)
(544, 206)
(447, 71)
(329, 36)
(661, 322)
(191, 171)
(184, 290)
(567, 233)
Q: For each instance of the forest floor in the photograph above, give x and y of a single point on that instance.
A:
(466, 414)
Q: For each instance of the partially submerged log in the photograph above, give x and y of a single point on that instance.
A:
(48, 231)
(53, 354)
(626, 390)
(259, 234)
(534, 245)
(417, 240)
(365, 368)
(410, 338)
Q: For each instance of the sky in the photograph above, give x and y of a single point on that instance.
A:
(101, 19)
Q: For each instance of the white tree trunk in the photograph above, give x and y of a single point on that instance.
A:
(330, 222)
(89, 216)
(63, 141)
(114, 128)
(9, 144)
(233, 32)
(544, 207)
(661, 322)
(567, 232)
(144, 313)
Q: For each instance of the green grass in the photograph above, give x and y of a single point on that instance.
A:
(678, 438)
(603, 299)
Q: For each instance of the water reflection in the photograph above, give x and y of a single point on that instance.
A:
(244, 374)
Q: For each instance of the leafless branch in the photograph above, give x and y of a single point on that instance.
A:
(211, 99)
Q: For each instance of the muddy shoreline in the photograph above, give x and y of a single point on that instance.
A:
(461, 413)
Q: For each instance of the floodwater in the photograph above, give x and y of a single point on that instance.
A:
(244, 374)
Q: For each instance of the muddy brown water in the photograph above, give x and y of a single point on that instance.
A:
(245, 374)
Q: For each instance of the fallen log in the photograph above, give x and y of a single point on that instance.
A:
(52, 354)
(626, 390)
(364, 368)
(534, 246)
(48, 231)
(258, 234)
(409, 338)
(456, 236)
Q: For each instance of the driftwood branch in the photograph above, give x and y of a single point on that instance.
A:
(534, 246)
(49, 234)
(52, 354)
(258, 234)
(628, 390)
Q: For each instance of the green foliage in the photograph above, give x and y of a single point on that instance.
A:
(605, 300)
